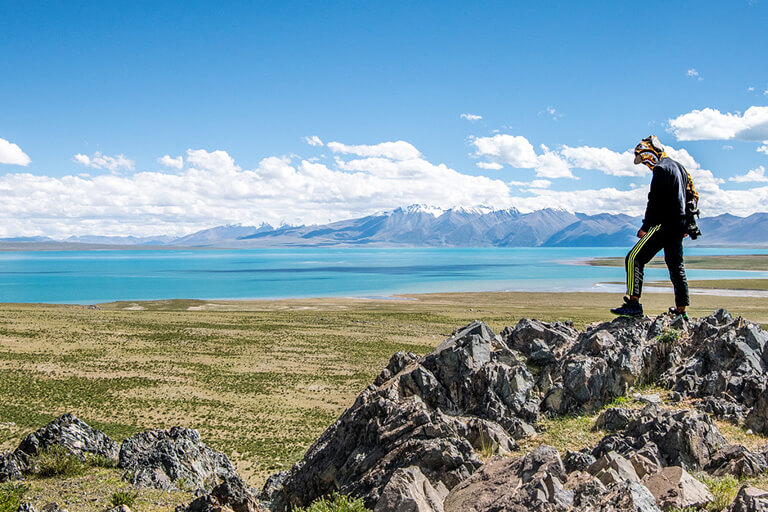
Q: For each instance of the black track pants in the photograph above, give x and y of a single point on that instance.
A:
(656, 239)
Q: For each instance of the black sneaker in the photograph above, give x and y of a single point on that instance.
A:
(674, 312)
(631, 308)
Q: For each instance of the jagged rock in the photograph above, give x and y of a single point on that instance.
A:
(26, 507)
(643, 465)
(397, 363)
(616, 418)
(541, 342)
(734, 459)
(533, 482)
(612, 468)
(231, 495)
(606, 361)
(52, 507)
(757, 419)
(72, 434)
(410, 491)
(587, 490)
(669, 438)
(723, 359)
(577, 461)
(13, 465)
(749, 499)
(170, 459)
(675, 487)
(271, 487)
(722, 408)
(433, 412)
(626, 497)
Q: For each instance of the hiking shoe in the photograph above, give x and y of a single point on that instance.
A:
(674, 312)
(631, 308)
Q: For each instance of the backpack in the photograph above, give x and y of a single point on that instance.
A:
(691, 208)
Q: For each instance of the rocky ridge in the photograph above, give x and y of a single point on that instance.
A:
(412, 439)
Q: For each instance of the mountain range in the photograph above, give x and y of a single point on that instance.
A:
(424, 226)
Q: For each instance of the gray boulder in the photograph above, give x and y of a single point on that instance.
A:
(616, 418)
(541, 342)
(723, 408)
(410, 491)
(625, 497)
(230, 495)
(72, 434)
(13, 465)
(577, 461)
(173, 459)
(612, 468)
(533, 482)
(757, 419)
(668, 438)
(674, 487)
(435, 412)
(26, 507)
(749, 499)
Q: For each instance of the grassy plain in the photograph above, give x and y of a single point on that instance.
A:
(731, 262)
(260, 380)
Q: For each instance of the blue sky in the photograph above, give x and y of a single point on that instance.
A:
(94, 93)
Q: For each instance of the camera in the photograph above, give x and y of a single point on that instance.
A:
(691, 212)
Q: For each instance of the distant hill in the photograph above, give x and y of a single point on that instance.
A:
(425, 226)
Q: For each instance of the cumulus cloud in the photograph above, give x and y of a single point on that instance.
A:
(491, 166)
(11, 153)
(471, 117)
(213, 189)
(752, 176)
(517, 151)
(711, 124)
(313, 140)
(101, 161)
(692, 73)
(763, 149)
(398, 150)
(171, 162)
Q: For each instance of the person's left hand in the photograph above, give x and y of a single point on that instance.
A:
(641, 233)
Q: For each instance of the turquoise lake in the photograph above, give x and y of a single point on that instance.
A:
(88, 277)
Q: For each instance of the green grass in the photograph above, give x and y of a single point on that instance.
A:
(335, 503)
(728, 262)
(723, 489)
(57, 461)
(11, 495)
(124, 497)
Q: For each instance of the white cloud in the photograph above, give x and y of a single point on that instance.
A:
(491, 166)
(471, 117)
(692, 73)
(101, 161)
(763, 149)
(603, 159)
(540, 184)
(751, 89)
(212, 190)
(11, 153)
(398, 150)
(553, 113)
(173, 163)
(511, 150)
(552, 165)
(711, 124)
(313, 140)
(728, 147)
(753, 176)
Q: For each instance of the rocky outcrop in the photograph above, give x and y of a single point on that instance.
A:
(231, 495)
(736, 460)
(434, 412)
(72, 434)
(173, 459)
(606, 361)
(724, 362)
(668, 438)
(541, 342)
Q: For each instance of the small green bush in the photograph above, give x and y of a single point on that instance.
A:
(723, 489)
(57, 461)
(335, 503)
(669, 336)
(127, 498)
(11, 495)
(100, 461)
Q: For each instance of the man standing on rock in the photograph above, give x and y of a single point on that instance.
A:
(664, 227)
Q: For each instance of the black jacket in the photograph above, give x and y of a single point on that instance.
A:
(666, 200)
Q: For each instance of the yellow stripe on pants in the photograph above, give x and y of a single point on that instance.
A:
(631, 259)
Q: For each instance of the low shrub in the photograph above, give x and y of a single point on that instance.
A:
(58, 461)
(335, 503)
(127, 498)
(723, 489)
